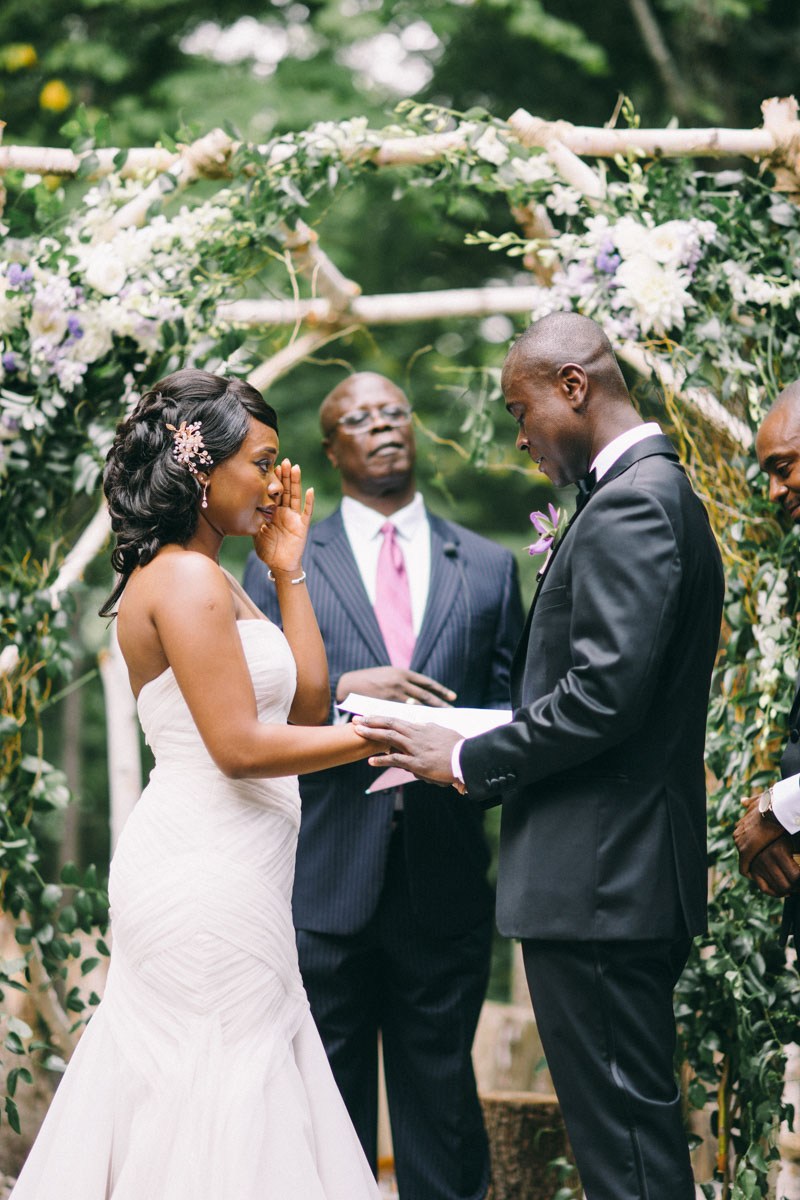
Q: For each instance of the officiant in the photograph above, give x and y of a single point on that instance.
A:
(391, 901)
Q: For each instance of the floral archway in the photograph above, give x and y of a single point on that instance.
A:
(695, 273)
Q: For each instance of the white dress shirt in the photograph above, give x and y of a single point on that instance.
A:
(363, 528)
(601, 465)
(604, 461)
(786, 803)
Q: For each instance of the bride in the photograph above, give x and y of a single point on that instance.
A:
(201, 1075)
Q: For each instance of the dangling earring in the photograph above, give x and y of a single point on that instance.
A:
(204, 501)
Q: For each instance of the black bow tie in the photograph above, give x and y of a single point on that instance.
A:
(584, 487)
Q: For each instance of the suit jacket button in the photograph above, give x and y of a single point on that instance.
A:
(794, 735)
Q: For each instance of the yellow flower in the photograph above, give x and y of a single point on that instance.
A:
(17, 56)
(55, 96)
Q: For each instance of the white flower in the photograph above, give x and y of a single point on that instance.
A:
(630, 237)
(537, 169)
(706, 230)
(97, 337)
(69, 373)
(9, 658)
(597, 232)
(490, 148)
(345, 138)
(105, 271)
(48, 323)
(280, 152)
(11, 308)
(672, 243)
(565, 201)
(657, 294)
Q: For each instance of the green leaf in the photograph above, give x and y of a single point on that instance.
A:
(12, 1113)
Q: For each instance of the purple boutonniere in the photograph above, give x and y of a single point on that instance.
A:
(551, 527)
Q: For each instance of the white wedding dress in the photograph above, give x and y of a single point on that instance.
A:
(201, 1076)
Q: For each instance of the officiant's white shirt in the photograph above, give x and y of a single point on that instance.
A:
(601, 465)
(363, 528)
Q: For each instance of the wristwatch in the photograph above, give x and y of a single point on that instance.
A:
(765, 802)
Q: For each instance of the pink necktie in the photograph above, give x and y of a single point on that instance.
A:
(393, 600)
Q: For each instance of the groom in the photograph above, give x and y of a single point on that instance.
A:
(602, 869)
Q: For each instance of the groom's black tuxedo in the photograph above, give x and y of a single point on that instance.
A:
(602, 867)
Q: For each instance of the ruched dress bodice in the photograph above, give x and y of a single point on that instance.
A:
(201, 1075)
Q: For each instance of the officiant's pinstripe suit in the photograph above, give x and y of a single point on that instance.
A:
(359, 886)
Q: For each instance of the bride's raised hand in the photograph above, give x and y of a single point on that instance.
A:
(281, 542)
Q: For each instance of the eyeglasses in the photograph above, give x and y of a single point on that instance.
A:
(360, 420)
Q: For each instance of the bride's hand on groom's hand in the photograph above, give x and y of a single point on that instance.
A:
(425, 750)
(280, 544)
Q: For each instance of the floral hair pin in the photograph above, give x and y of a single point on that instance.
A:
(189, 446)
(551, 527)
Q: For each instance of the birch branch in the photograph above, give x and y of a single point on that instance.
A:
(48, 1006)
(394, 308)
(122, 736)
(777, 136)
(312, 262)
(700, 399)
(266, 374)
(87, 547)
(51, 160)
(400, 308)
(206, 158)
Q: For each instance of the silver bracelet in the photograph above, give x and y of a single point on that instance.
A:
(299, 579)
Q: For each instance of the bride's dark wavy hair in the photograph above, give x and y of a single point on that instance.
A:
(152, 498)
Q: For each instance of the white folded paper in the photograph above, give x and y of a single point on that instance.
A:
(467, 721)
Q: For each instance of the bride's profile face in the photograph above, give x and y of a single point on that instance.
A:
(244, 490)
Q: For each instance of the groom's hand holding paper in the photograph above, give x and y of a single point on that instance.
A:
(423, 738)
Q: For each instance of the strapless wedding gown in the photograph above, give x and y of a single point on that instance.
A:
(201, 1075)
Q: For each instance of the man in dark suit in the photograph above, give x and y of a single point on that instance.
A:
(763, 836)
(391, 901)
(602, 869)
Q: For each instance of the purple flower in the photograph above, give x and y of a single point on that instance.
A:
(607, 260)
(74, 326)
(10, 361)
(545, 524)
(19, 277)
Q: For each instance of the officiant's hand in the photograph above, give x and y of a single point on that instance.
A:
(424, 750)
(395, 683)
(765, 851)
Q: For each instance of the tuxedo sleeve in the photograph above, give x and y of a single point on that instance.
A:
(625, 581)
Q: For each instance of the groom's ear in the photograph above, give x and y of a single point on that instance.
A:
(574, 384)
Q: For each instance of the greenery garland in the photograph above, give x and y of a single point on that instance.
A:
(699, 267)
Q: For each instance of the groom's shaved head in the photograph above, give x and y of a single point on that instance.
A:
(562, 338)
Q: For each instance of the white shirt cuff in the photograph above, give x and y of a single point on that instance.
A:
(786, 803)
(455, 761)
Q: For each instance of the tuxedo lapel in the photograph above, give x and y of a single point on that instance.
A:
(446, 581)
(334, 559)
